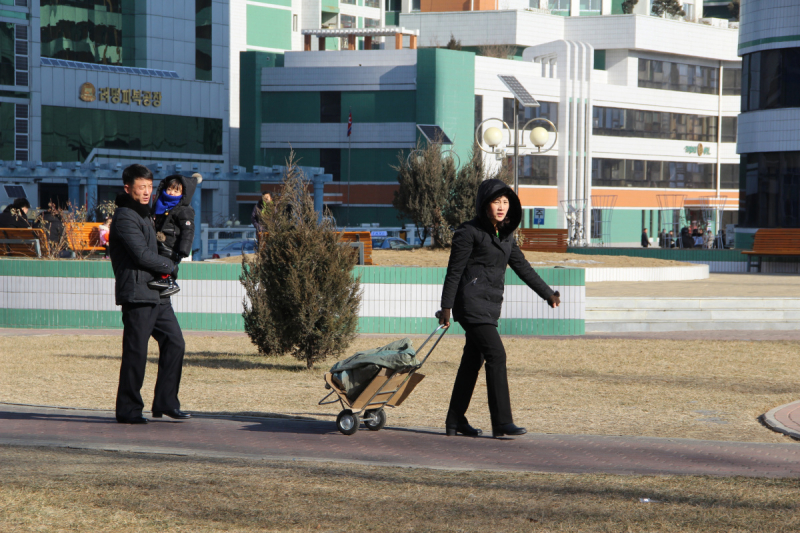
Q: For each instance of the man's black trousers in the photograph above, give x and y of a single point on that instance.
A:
(141, 321)
(483, 344)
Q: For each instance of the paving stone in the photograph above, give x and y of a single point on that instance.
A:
(286, 439)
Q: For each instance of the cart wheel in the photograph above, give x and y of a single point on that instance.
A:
(347, 422)
(375, 419)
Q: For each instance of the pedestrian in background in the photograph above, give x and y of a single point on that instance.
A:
(645, 239)
(473, 289)
(15, 216)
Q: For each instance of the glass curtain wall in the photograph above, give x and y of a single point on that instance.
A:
(89, 31)
(661, 174)
(770, 195)
(671, 76)
(7, 53)
(548, 110)
(7, 136)
(70, 134)
(654, 124)
(203, 40)
(771, 79)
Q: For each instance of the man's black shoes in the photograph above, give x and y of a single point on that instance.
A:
(131, 420)
(177, 414)
(508, 429)
(464, 428)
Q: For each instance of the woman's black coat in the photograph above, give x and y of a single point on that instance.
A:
(475, 280)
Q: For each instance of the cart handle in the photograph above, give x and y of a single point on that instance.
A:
(441, 328)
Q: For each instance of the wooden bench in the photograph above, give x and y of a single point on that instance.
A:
(364, 237)
(773, 242)
(544, 240)
(23, 242)
(84, 237)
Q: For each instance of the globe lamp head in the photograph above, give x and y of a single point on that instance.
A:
(493, 137)
(539, 136)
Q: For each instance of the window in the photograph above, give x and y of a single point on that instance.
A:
(559, 5)
(771, 79)
(88, 31)
(331, 160)
(346, 21)
(536, 169)
(203, 40)
(392, 5)
(415, 5)
(7, 134)
(731, 82)
(294, 23)
(671, 76)
(657, 174)
(70, 134)
(372, 3)
(330, 107)
(548, 110)
(729, 125)
(654, 124)
(770, 196)
(372, 23)
(589, 7)
(729, 176)
(7, 45)
(478, 115)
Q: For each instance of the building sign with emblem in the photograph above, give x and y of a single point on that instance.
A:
(113, 95)
(87, 92)
(699, 150)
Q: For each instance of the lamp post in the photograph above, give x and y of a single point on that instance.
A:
(539, 137)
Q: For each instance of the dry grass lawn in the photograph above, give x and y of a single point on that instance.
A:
(662, 388)
(65, 490)
(426, 257)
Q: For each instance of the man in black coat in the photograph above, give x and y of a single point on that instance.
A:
(473, 288)
(135, 260)
(645, 239)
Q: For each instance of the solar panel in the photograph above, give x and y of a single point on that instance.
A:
(519, 92)
(15, 191)
(52, 62)
(434, 134)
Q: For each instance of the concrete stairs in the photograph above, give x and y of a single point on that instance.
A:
(617, 315)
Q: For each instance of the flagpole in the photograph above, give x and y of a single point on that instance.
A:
(349, 152)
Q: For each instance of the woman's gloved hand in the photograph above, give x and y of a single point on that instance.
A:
(554, 300)
(444, 317)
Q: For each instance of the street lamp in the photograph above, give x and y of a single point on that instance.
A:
(539, 135)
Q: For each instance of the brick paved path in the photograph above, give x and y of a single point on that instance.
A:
(421, 447)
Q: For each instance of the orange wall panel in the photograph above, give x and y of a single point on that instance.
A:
(648, 199)
(538, 197)
(437, 6)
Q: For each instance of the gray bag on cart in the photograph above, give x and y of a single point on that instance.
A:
(355, 372)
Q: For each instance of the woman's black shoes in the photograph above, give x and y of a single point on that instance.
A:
(177, 414)
(465, 429)
(507, 429)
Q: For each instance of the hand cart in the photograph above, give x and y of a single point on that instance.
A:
(389, 388)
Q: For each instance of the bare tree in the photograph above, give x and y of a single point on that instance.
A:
(501, 51)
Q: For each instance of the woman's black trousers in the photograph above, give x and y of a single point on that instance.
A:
(483, 344)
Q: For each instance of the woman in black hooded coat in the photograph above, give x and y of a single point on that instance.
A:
(473, 290)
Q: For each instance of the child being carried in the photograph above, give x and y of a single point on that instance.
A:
(174, 220)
